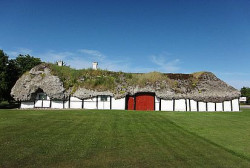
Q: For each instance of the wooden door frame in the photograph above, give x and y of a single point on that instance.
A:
(126, 101)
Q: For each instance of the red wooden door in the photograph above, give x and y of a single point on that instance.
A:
(145, 102)
(130, 103)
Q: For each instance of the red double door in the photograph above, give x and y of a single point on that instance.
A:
(142, 101)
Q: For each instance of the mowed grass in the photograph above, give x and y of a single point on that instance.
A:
(99, 138)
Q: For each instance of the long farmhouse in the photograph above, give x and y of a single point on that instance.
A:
(57, 86)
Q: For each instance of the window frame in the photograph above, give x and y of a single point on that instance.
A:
(42, 96)
(103, 98)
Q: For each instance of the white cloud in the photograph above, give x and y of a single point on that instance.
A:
(83, 58)
(14, 53)
(52, 56)
(165, 64)
(238, 84)
(94, 54)
(25, 51)
(78, 63)
(235, 79)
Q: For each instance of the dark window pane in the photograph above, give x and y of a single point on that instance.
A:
(104, 98)
(42, 96)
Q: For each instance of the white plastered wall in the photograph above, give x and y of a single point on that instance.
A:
(157, 103)
(202, 106)
(46, 103)
(193, 105)
(180, 105)
(90, 103)
(38, 103)
(166, 105)
(118, 104)
(27, 105)
(210, 106)
(103, 104)
(75, 103)
(66, 104)
(219, 106)
(235, 104)
(227, 105)
(57, 104)
(42, 103)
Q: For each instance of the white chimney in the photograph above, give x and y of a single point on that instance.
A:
(60, 63)
(94, 65)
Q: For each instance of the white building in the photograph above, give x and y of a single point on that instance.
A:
(40, 89)
(109, 102)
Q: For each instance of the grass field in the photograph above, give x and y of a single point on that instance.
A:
(92, 138)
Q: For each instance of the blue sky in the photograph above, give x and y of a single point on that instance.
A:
(133, 36)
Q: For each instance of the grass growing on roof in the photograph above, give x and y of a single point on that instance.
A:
(89, 78)
(104, 138)
(198, 74)
(103, 80)
(148, 78)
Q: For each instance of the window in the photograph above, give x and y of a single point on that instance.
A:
(104, 98)
(42, 96)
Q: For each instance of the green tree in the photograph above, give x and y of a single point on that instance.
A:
(11, 70)
(26, 62)
(16, 68)
(3, 75)
(245, 92)
(13, 73)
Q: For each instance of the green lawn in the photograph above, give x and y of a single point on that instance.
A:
(92, 138)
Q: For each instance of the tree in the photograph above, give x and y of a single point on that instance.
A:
(16, 68)
(245, 92)
(11, 70)
(26, 62)
(13, 73)
(3, 75)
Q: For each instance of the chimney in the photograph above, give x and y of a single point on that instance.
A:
(94, 65)
(60, 63)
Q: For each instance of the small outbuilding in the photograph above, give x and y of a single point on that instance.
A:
(53, 86)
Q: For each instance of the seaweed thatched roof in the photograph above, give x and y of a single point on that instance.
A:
(60, 82)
